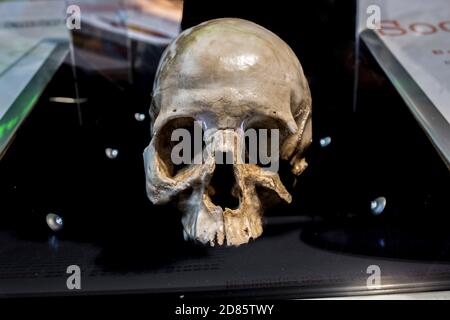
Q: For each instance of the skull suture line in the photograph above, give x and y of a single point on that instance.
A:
(229, 74)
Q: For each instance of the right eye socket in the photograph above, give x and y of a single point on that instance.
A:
(258, 141)
(178, 142)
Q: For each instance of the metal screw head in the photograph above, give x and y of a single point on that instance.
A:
(324, 142)
(139, 117)
(111, 153)
(54, 222)
(377, 206)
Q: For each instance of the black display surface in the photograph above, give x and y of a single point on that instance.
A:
(321, 245)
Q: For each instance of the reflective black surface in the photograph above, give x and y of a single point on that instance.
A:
(321, 245)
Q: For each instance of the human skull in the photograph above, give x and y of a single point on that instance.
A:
(229, 75)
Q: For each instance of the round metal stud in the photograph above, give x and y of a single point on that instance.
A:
(139, 117)
(54, 222)
(377, 206)
(111, 153)
(324, 142)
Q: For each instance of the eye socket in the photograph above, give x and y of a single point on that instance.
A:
(267, 122)
(262, 141)
(178, 142)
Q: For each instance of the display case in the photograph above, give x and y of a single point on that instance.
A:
(368, 216)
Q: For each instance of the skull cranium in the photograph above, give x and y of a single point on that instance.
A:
(229, 74)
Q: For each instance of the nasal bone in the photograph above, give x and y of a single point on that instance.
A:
(227, 146)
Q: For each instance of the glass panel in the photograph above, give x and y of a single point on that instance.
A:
(34, 42)
(410, 44)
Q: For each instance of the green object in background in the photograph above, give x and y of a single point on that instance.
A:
(22, 106)
(8, 124)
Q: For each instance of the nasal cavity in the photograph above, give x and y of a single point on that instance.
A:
(223, 188)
